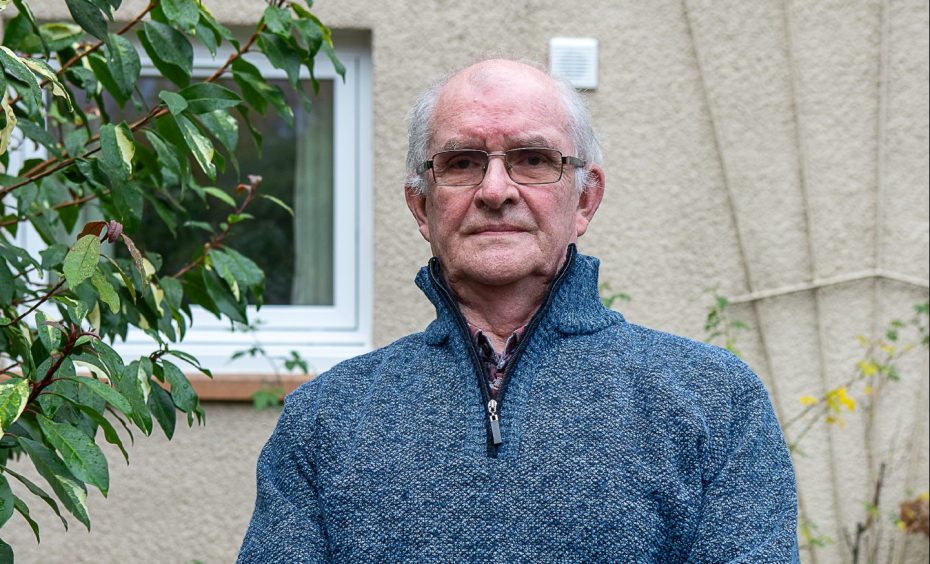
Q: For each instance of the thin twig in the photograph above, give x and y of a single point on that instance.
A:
(55, 207)
(37, 172)
(96, 46)
(41, 301)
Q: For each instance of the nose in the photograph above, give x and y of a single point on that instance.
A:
(497, 189)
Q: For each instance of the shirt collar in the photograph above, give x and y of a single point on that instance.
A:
(575, 308)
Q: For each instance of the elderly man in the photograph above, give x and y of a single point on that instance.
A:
(527, 422)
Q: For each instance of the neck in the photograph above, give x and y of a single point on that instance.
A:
(500, 310)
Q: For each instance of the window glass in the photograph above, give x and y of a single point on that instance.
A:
(296, 166)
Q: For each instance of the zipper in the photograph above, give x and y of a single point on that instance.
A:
(492, 406)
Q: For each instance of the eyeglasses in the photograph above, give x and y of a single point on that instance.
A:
(526, 165)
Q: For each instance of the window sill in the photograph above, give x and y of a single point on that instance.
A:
(241, 387)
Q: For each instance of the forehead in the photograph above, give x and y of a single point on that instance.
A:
(498, 108)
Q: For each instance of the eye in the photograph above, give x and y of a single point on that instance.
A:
(533, 158)
(462, 161)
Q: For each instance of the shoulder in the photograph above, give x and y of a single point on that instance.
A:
(350, 380)
(691, 364)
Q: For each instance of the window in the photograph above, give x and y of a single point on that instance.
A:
(318, 262)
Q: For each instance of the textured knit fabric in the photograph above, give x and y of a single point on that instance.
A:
(620, 444)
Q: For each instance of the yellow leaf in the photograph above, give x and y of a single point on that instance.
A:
(867, 367)
(901, 526)
(863, 340)
(7, 130)
(925, 496)
(889, 349)
(809, 400)
(868, 390)
(846, 399)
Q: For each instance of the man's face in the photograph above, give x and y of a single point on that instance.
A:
(500, 232)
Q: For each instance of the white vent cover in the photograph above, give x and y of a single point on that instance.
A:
(574, 59)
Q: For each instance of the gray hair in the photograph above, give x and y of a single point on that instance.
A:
(580, 130)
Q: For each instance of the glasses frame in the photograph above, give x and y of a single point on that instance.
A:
(565, 160)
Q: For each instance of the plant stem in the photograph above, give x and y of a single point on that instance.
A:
(41, 301)
(37, 172)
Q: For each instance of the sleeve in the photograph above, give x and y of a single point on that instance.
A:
(749, 508)
(287, 524)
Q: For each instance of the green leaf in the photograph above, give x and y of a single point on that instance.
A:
(258, 93)
(60, 35)
(183, 13)
(7, 284)
(6, 501)
(124, 64)
(206, 97)
(105, 290)
(110, 358)
(81, 261)
(6, 552)
(167, 158)
(199, 144)
(42, 69)
(225, 302)
(89, 17)
(337, 64)
(279, 203)
(223, 126)
(277, 19)
(106, 392)
(101, 74)
(15, 67)
(23, 510)
(182, 392)
(130, 384)
(108, 431)
(48, 334)
(117, 148)
(174, 101)
(190, 359)
(70, 491)
(170, 51)
(220, 195)
(208, 37)
(79, 452)
(242, 268)
(39, 492)
(14, 394)
(281, 55)
(163, 410)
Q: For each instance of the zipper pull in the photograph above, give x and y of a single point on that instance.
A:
(495, 424)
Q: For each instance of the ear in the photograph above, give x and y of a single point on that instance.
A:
(416, 202)
(589, 200)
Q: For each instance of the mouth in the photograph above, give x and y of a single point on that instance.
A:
(497, 230)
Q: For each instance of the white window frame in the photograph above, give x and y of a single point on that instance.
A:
(321, 335)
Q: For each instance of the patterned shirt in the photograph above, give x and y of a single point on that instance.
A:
(495, 363)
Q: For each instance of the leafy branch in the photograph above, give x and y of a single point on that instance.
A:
(62, 306)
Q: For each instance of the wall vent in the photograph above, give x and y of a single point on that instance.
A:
(574, 59)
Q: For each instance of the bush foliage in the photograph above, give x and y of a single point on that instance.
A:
(64, 386)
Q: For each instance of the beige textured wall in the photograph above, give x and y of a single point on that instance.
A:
(756, 145)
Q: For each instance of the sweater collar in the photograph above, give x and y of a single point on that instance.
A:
(575, 307)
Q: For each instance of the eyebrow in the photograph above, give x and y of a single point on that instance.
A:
(512, 143)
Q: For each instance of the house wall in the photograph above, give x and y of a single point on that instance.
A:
(775, 150)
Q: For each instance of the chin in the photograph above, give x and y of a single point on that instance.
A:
(501, 267)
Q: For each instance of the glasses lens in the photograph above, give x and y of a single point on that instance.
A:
(459, 168)
(534, 165)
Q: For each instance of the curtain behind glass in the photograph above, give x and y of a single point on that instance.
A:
(313, 203)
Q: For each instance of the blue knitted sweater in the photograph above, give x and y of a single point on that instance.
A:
(616, 443)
